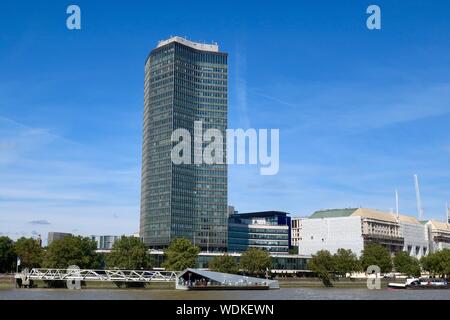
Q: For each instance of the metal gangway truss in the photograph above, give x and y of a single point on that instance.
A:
(102, 275)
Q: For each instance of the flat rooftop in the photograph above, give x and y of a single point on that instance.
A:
(260, 214)
(192, 44)
(363, 212)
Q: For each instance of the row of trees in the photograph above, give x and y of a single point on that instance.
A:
(437, 263)
(328, 266)
(127, 253)
(131, 253)
(29, 250)
(182, 254)
(253, 261)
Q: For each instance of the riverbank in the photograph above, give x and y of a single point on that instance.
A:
(281, 294)
(8, 282)
(317, 283)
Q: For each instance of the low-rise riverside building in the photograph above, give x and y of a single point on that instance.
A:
(268, 230)
(281, 263)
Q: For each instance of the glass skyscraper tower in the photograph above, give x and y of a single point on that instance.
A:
(185, 82)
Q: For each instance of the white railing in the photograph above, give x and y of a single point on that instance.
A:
(102, 275)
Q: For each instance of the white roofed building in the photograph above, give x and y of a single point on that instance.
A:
(354, 228)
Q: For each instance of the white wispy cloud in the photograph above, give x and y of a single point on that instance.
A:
(342, 146)
(41, 222)
(240, 86)
(46, 177)
(349, 107)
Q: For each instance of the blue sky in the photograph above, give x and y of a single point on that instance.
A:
(359, 111)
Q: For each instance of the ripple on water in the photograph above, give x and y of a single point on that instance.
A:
(282, 294)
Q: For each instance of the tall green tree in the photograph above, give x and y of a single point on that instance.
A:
(181, 254)
(70, 251)
(256, 261)
(128, 253)
(7, 255)
(345, 261)
(322, 264)
(427, 262)
(437, 263)
(444, 262)
(30, 252)
(406, 264)
(224, 263)
(375, 254)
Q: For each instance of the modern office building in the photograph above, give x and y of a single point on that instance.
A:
(355, 228)
(268, 230)
(52, 236)
(185, 83)
(105, 242)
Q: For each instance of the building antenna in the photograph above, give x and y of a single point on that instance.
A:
(419, 202)
(396, 203)
(448, 212)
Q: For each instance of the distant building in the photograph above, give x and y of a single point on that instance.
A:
(231, 211)
(268, 230)
(52, 236)
(39, 240)
(355, 228)
(105, 242)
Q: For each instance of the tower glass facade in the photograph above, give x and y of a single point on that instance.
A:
(185, 82)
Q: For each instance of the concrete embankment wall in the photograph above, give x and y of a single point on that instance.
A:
(7, 281)
(317, 283)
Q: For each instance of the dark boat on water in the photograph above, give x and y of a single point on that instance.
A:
(227, 287)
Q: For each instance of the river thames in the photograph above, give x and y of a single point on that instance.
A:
(281, 294)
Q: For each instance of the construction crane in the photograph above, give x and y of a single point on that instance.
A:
(419, 202)
(396, 203)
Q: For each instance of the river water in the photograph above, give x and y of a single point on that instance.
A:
(282, 294)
